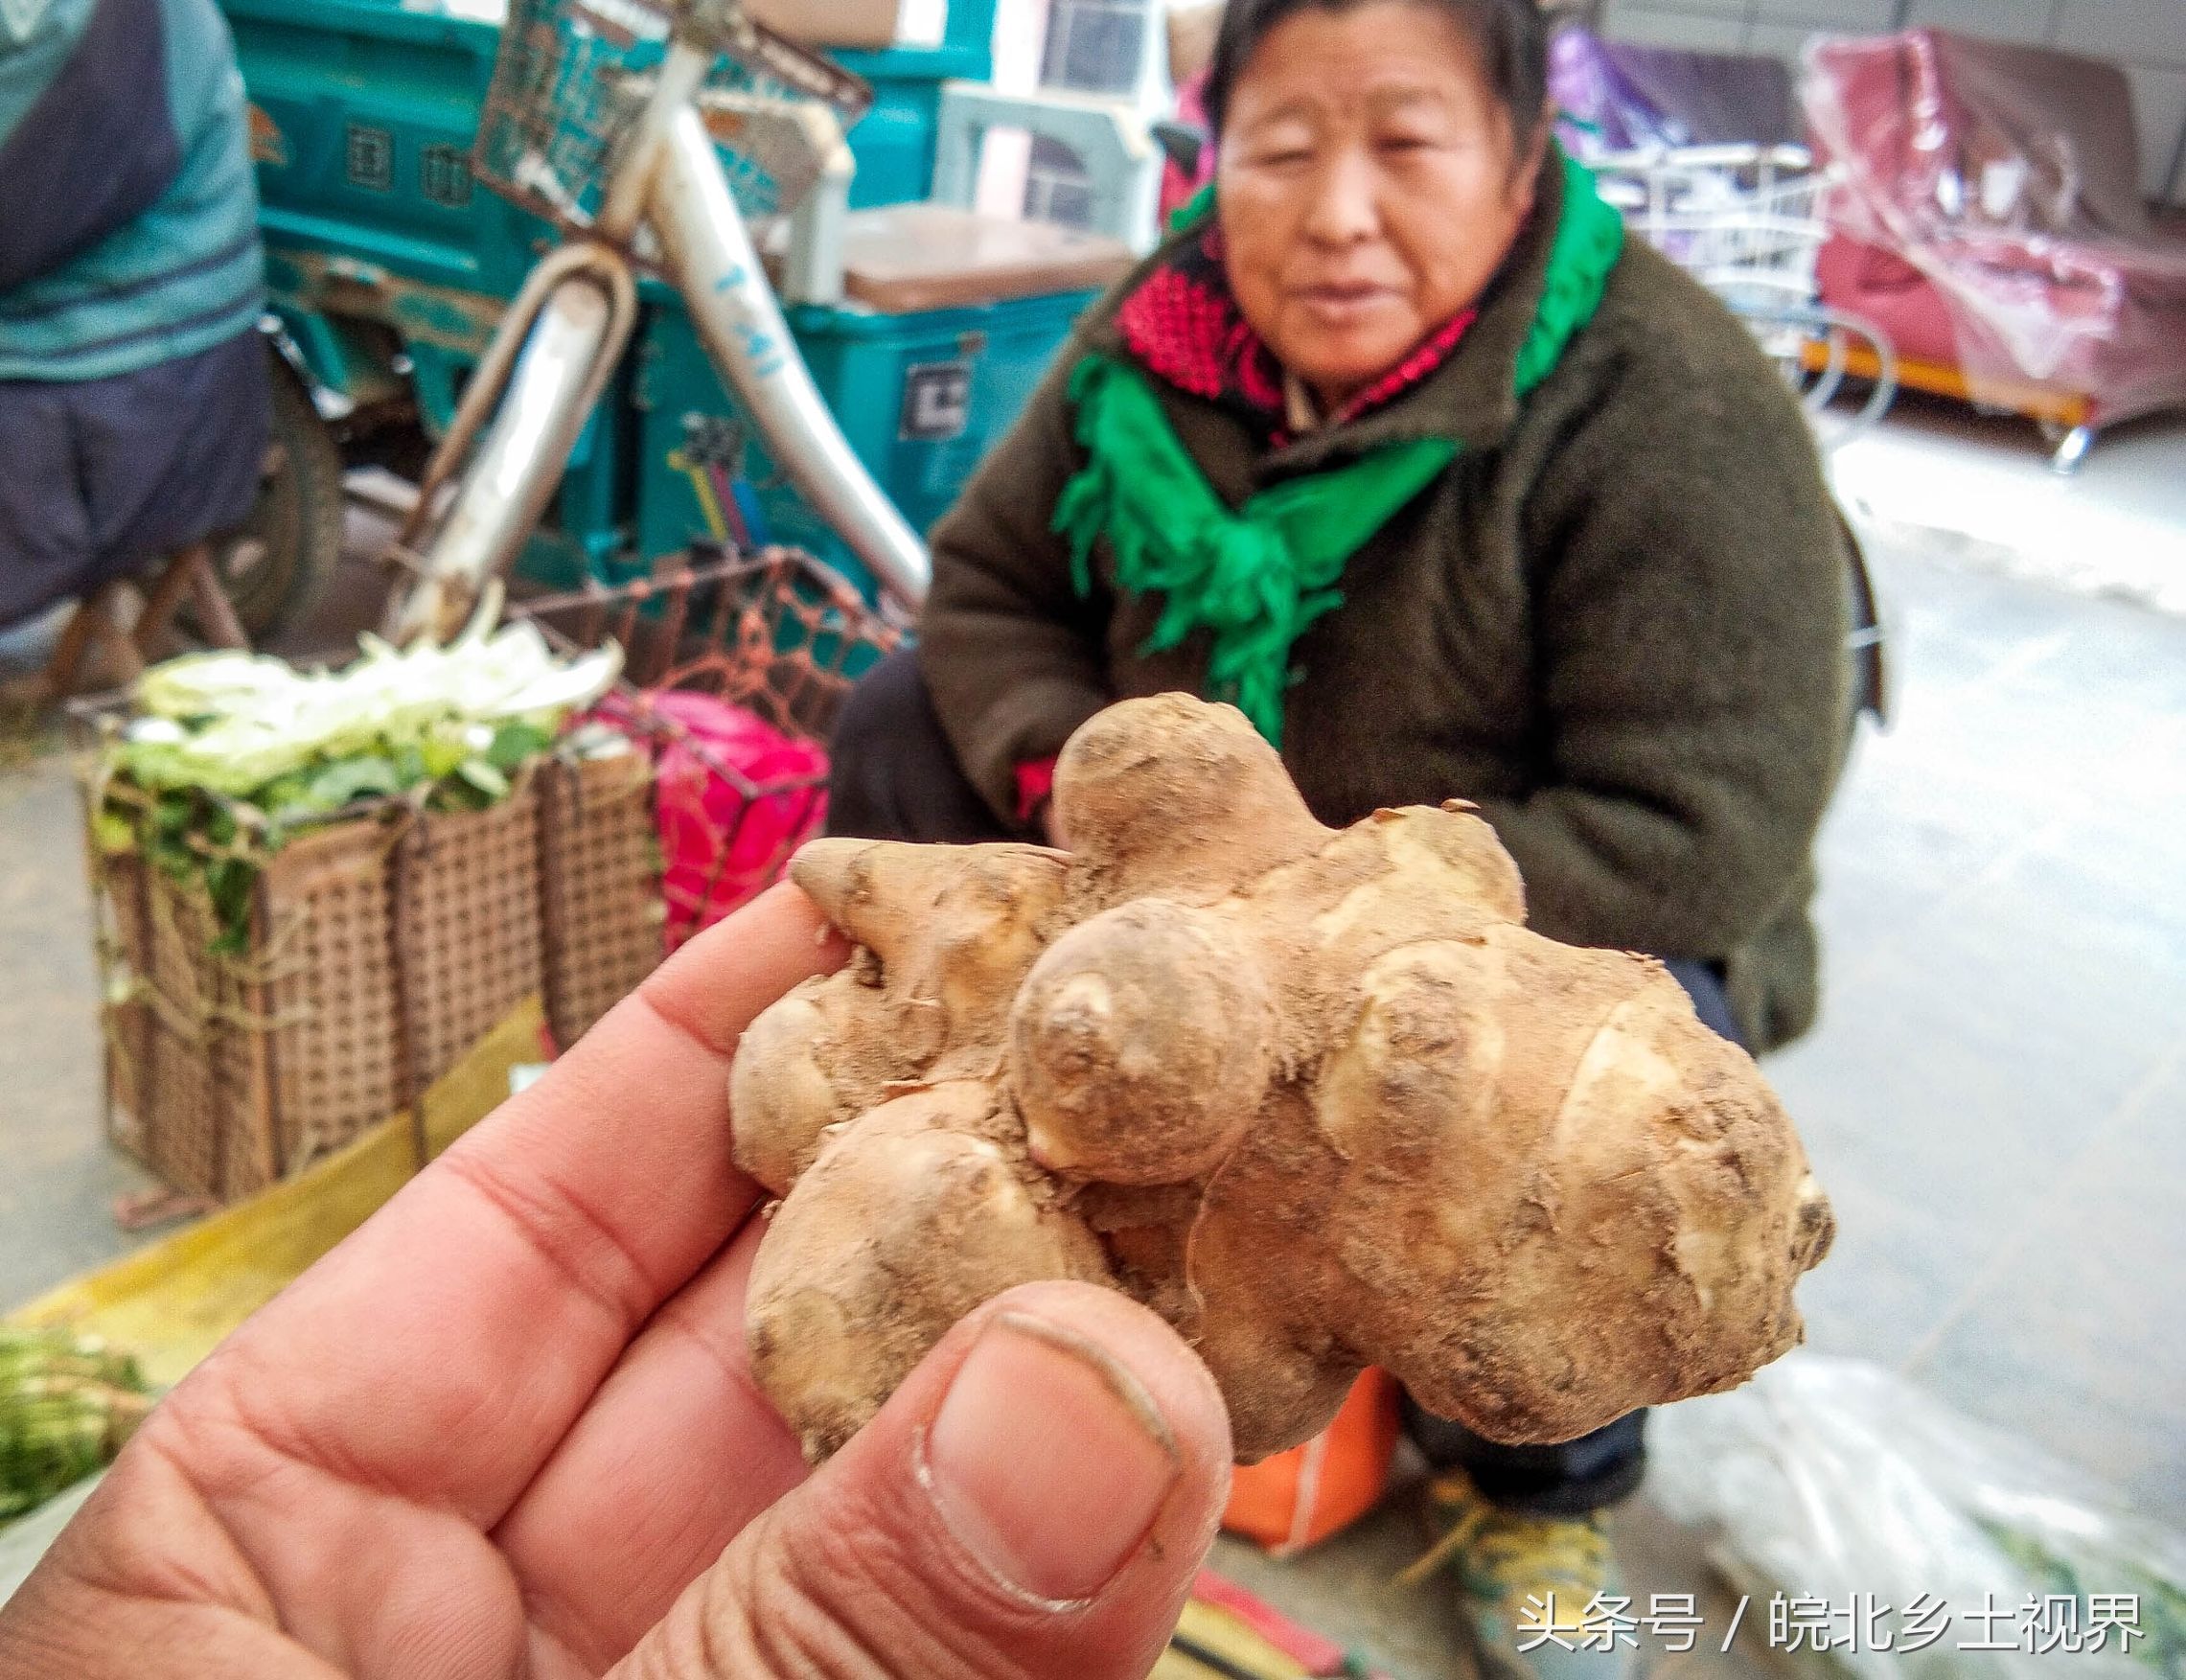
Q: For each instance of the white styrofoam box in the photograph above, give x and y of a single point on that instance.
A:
(2003, 20)
(1652, 28)
(2159, 107)
(1845, 17)
(2131, 32)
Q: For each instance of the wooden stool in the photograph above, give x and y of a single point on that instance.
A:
(188, 573)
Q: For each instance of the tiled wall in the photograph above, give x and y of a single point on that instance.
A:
(2146, 37)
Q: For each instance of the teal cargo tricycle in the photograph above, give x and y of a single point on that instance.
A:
(391, 266)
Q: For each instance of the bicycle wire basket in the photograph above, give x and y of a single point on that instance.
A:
(571, 78)
(1744, 221)
(1749, 221)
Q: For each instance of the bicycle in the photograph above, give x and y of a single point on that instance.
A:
(604, 116)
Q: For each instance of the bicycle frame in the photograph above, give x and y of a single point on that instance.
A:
(563, 336)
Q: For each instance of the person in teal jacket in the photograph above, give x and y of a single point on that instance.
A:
(133, 398)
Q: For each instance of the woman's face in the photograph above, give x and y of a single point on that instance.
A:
(1369, 187)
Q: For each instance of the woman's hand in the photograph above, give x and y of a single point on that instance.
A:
(508, 1428)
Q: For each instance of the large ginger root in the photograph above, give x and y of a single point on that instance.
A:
(1319, 1098)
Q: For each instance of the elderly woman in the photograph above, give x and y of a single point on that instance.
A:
(1400, 446)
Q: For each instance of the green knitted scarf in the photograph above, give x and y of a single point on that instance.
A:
(1254, 578)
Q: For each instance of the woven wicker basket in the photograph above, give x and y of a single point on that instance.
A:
(383, 945)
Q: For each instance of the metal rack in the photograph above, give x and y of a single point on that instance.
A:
(1748, 222)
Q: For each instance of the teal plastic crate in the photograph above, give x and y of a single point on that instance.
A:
(894, 142)
(921, 398)
(365, 111)
(362, 122)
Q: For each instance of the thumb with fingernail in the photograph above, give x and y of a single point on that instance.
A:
(1033, 1501)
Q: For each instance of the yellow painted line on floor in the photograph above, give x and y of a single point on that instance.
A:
(171, 1303)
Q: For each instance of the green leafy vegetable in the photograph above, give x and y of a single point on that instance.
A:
(66, 1407)
(484, 777)
(237, 750)
(350, 779)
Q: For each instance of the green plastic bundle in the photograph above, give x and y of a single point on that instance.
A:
(68, 1404)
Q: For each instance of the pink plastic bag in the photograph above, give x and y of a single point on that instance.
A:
(734, 798)
(1991, 220)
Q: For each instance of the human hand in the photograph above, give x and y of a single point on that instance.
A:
(508, 1428)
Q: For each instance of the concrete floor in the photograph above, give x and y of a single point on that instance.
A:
(1982, 485)
(60, 1181)
(1995, 1097)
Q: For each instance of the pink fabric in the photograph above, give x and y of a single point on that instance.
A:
(724, 836)
(1315, 1653)
(1187, 330)
(1177, 187)
(1035, 787)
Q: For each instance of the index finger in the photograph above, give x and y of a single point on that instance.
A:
(447, 1346)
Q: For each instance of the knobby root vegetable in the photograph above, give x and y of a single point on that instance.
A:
(1317, 1097)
